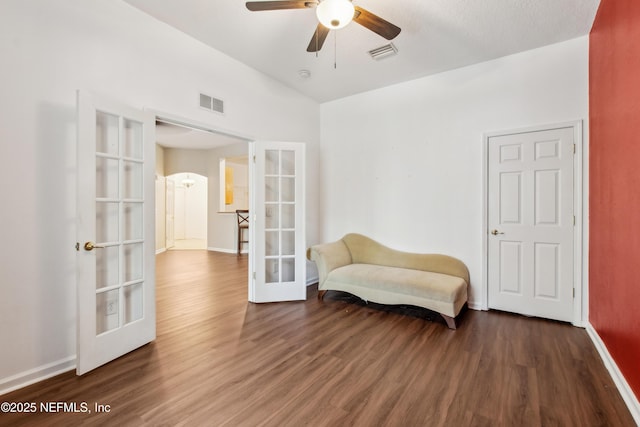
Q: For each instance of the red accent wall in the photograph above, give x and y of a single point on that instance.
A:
(614, 182)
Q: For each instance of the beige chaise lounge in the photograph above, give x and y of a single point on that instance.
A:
(363, 267)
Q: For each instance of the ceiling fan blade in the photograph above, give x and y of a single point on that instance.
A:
(257, 6)
(319, 36)
(376, 24)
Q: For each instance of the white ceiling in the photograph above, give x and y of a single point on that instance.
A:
(437, 35)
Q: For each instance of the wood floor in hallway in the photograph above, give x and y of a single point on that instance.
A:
(221, 361)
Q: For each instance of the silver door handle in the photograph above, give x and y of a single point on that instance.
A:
(496, 232)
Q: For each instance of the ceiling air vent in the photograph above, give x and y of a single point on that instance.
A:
(383, 51)
(211, 103)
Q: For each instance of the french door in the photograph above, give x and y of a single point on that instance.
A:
(531, 223)
(115, 249)
(277, 263)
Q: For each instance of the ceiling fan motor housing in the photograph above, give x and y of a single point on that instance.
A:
(335, 14)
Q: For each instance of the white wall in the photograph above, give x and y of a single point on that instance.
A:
(49, 50)
(403, 164)
(178, 160)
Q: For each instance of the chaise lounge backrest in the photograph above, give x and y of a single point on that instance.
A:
(367, 251)
(358, 249)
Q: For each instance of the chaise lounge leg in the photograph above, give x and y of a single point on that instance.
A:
(451, 321)
(321, 294)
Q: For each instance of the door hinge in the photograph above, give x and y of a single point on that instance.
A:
(254, 158)
(574, 148)
(574, 220)
(574, 292)
(254, 275)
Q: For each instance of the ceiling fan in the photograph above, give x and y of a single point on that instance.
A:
(333, 15)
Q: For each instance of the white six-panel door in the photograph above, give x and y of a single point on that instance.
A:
(116, 250)
(277, 261)
(531, 223)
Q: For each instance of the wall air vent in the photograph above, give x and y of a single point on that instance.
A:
(383, 51)
(210, 103)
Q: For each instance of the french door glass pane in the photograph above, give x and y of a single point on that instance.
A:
(272, 162)
(132, 139)
(107, 178)
(272, 243)
(288, 270)
(288, 242)
(288, 162)
(107, 304)
(107, 222)
(272, 267)
(107, 266)
(288, 189)
(133, 216)
(133, 262)
(107, 133)
(288, 216)
(272, 219)
(132, 180)
(133, 309)
(272, 191)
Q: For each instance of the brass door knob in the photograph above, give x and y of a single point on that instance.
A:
(496, 232)
(89, 246)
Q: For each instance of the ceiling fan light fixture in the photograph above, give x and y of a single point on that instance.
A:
(335, 14)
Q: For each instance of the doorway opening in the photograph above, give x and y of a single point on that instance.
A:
(188, 212)
(190, 171)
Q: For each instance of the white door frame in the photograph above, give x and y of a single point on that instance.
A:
(169, 213)
(580, 252)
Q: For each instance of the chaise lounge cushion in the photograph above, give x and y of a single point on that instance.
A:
(393, 285)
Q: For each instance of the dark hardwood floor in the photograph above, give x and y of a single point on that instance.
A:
(221, 361)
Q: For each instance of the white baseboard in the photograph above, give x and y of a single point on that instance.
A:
(159, 251)
(312, 280)
(473, 305)
(35, 375)
(627, 394)
(227, 251)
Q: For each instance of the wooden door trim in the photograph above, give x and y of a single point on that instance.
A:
(580, 235)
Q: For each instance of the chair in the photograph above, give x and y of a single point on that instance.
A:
(243, 224)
